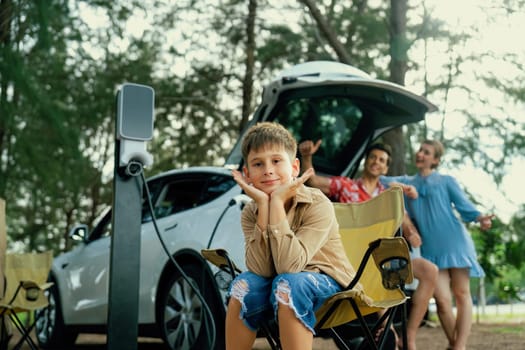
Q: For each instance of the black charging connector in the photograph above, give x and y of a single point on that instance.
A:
(134, 168)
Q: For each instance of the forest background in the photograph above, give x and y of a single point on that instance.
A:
(62, 61)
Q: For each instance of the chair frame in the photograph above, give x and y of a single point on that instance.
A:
(13, 316)
(28, 295)
(388, 316)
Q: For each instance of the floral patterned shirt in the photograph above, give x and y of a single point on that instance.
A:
(346, 190)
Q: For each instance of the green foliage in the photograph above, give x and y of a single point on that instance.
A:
(507, 291)
(500, 253)
(490, 246)
(516, 239)
(39, 139)
(60, 70)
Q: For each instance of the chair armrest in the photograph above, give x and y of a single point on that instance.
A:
(32, 284)
(31, 288)
(392, 258)
(220, 258)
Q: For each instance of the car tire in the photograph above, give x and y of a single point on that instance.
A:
(50, 330)
(183, 319)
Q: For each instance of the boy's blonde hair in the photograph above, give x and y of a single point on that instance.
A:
(268, 134)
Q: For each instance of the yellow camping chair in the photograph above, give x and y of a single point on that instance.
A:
(25, 280)
(367, 229)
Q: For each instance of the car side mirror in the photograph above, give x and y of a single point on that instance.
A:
(79, 232)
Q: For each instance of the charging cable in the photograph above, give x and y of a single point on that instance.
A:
(241, 199)
(134, 171)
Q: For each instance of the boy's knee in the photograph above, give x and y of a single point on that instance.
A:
(282, 292)
(239, 289)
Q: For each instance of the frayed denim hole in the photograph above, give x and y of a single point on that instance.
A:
(283, 296)
(238, 291)
(282, 293)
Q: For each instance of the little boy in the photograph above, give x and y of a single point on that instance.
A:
(294, 254)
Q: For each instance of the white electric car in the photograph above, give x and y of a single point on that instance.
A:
(198, 208)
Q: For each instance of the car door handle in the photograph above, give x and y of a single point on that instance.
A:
(171, 227)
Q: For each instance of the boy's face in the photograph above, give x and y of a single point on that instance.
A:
(270, 167)
(376, 164)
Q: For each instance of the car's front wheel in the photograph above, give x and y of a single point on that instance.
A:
(184, 320)
(50, 329)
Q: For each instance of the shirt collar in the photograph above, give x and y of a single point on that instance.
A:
(380, 187)
(303, 195)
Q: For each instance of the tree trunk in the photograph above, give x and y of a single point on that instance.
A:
(5, 33)
(247, 84)
(398, 67)
(328, 32)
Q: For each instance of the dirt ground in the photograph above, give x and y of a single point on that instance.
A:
(508, 336)
(483, 336)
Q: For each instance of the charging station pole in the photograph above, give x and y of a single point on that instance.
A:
(134, 126)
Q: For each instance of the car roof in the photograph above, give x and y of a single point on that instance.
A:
(380, 106)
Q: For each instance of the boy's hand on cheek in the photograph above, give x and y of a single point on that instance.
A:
(252, 192)
(289, 189)
(306, 175)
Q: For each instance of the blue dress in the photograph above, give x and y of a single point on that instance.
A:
(446, 241)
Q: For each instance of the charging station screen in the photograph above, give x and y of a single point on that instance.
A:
(136, 104)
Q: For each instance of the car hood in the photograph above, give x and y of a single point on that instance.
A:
(383, 105)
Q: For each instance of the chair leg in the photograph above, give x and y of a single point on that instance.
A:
(271, 337)
(19, 344)
(388, 316)
(368, 335)
(340, 341)
(370, 340)
(389, 324)
(404, 318)
(5, 335)
(26, 336)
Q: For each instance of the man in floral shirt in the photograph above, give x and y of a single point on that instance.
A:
(345, 190)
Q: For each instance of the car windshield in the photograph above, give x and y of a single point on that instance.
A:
(176, 193)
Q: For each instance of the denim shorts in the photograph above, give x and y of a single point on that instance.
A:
(259, 296)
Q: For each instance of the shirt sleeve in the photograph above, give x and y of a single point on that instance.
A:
(462, 204)
(337, 183)
(386, 180)
(293, 251)
(257, 247)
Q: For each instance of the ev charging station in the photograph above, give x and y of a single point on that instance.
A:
(134, 127)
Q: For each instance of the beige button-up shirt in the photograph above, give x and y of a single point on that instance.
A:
(308, 240)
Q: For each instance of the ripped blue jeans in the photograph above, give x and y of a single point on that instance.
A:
(303, 292)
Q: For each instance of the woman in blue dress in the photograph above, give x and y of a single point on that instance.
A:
(446, 241)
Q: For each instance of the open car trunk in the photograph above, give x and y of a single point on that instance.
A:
(339, 104)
